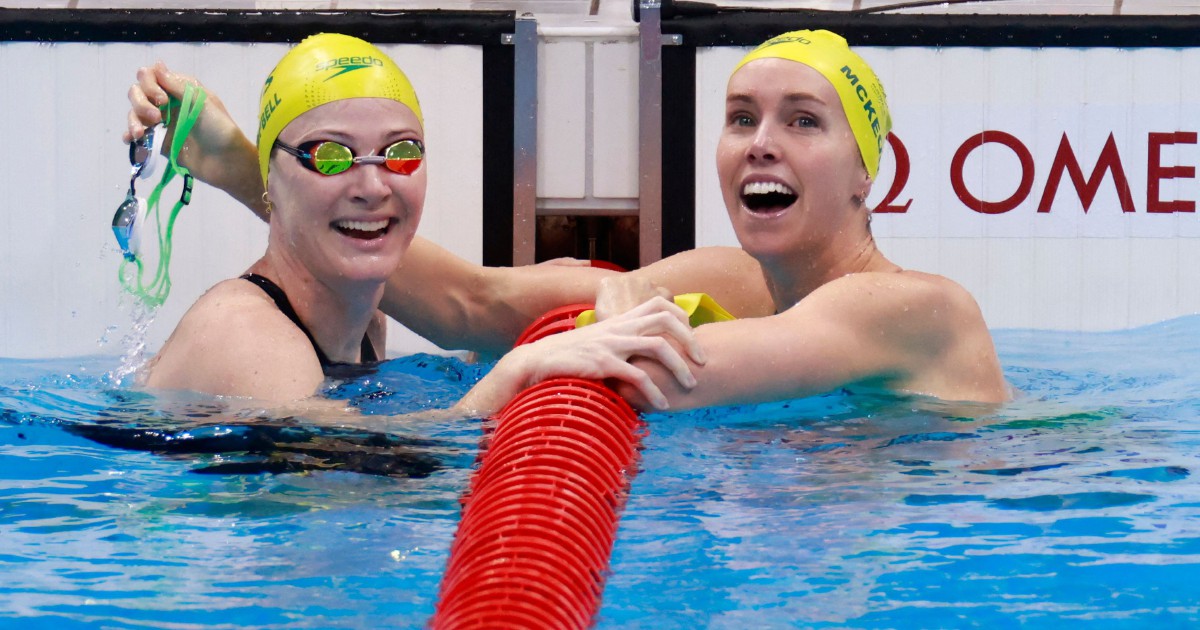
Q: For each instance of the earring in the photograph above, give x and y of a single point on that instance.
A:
(267, 202)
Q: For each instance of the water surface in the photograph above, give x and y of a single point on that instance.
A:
(1077, 503)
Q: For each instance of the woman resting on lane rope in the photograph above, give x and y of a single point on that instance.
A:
(341, 155)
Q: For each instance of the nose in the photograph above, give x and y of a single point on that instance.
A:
(762, 147)
(371, 186)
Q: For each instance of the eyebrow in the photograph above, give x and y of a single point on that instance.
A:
(794, 97)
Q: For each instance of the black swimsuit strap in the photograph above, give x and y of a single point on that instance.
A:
(366, 351)
(285, 306)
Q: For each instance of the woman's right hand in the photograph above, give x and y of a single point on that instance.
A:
(216, 151)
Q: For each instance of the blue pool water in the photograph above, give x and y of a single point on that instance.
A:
(1078, 503)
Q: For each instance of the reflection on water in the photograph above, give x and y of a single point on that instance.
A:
(1076, 503)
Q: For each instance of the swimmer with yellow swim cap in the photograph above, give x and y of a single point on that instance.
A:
(805, 123)
(341, 148)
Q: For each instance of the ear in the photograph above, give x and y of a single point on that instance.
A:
(863, 188)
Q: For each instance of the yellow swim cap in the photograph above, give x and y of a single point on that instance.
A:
(857, 86)
(321, 69)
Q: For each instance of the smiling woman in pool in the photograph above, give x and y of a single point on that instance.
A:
(342, 156)
(805, 121)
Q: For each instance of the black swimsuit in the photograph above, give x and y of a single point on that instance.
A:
(281, 300)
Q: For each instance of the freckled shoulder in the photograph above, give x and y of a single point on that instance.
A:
(237, 307)
(938, 297)
(904, 289)
(235, 341)
(915, 306)
(908, 331)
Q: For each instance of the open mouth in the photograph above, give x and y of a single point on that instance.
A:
(767, 197)
(364, 230)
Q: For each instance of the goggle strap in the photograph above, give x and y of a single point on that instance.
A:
(155, 293)
(189, 112)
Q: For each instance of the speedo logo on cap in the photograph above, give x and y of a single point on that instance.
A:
(347, 64)
(786, 39)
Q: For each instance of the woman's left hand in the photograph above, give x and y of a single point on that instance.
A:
(601, 350)
(623, 292)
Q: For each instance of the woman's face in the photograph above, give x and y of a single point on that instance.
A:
(787, 160)
(358, 224)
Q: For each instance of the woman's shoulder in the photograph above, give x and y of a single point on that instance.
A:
(237, 309)
(238, 293)
(907, 303)
(229, 307)
(941, 337)
(940, 292)
(907, 286)
(229, 340)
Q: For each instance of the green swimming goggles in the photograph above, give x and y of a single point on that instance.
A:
(135, 215)
(331, 158)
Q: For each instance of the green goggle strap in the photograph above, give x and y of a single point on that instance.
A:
(155, 293)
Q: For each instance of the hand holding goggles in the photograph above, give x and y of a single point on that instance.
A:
(133, 213)
(331, 158)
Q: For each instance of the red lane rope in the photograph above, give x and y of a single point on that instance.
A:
(540, 517)
(553, 321)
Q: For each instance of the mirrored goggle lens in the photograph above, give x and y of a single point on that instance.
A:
(126, 223)
(140, 149)
(331, 158)
(404, 157)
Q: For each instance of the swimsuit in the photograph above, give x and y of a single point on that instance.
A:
(281, 300)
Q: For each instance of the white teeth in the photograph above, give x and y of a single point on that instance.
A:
(764, 188)
(363, 226)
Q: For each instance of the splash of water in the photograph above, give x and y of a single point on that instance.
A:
(133, 359)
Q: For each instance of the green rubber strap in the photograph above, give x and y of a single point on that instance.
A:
(155, 293)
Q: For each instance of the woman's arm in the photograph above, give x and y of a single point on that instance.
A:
(457, 304)
(216, 151)
(889, 332)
